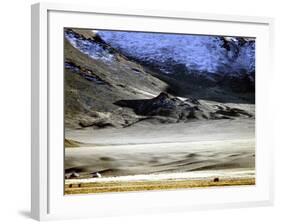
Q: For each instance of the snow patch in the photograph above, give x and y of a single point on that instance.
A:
(89, 47)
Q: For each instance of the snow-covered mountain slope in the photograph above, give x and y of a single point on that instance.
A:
(201, 54)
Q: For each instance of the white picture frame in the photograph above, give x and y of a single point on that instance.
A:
(48, 201)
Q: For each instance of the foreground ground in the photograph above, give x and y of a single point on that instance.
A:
(86, 188)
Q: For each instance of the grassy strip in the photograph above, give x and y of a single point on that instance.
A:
(89, 188)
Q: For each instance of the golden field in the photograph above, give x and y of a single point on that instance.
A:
(89, 188)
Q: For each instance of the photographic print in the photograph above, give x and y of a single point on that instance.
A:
(157, 111)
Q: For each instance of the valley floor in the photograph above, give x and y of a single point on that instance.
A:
(148, 156)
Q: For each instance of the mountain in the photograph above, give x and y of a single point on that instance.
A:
(207, 61)
(199, 53)
(105, 86)
(96, 76)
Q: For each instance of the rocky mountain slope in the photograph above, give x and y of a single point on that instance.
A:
(105, 87)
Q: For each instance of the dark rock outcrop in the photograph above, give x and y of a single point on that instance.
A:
(177, 110)
(162, 105)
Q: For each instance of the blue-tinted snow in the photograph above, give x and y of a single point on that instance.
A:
(197, 52)
(92, 49)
